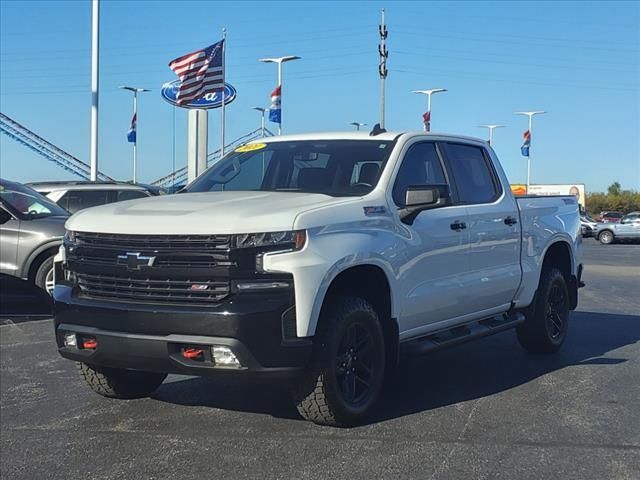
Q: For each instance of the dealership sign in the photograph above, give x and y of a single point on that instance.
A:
(169, 92)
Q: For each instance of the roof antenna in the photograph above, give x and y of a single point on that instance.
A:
(376, 130)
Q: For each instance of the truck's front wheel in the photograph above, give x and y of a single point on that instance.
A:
(346, 374)
(120, 383)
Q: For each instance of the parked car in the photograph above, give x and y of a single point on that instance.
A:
(75, 196)
(31, 232)
(588, 226)
(611, 217)
(627, 229)
(320, 258)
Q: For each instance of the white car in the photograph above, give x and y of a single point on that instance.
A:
(321, 258)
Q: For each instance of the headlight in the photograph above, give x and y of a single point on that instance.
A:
(70, 236)
(294, 240)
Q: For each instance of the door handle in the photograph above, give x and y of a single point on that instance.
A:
(457, 226)
(510, 221)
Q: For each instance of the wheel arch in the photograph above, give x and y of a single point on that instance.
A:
(38, 256)
(559, 255)
(370, 282)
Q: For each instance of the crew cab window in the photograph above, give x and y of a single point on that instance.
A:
(130, 195)
(421, 166)
(471, 173)
(79, 199)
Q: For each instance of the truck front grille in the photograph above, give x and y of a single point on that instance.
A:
(146, 290)
(170, 251)
(152, 269)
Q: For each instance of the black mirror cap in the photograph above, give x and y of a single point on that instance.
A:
(423, 197)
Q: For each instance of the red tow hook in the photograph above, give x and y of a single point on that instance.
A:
(90, 344)
(192, 353)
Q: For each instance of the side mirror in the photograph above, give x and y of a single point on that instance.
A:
(423, 197)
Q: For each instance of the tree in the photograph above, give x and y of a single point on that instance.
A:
(614, 189)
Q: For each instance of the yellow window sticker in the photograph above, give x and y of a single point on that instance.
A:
(250, 147)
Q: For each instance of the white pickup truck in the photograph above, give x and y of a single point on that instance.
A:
(324, 258)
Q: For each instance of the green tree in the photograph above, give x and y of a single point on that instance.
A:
(614, 188)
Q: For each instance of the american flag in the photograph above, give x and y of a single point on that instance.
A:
(200, 73)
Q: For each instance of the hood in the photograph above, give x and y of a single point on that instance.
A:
(201, 213)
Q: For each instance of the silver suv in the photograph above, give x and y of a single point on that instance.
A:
(74, 196)
(31, 231)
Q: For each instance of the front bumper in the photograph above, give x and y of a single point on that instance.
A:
(151, 337)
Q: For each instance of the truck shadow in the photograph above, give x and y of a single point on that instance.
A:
(466, 372)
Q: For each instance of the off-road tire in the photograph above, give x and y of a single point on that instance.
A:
(547, 319)
(318, 393)
(606, 237)
(43, 270)
(120, 383)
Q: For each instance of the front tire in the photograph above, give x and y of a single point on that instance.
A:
(120, 383)
(345, 376)
(547, 319)
(606, 237)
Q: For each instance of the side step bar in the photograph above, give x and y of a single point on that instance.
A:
(454, 336)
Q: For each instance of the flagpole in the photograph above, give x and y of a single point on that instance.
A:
(135, 115)
(224, 75)
(530, 115)
(529, 156)
(95, 65)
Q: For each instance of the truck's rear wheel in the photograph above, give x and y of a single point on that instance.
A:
(120, 383)
(346, 374)
(547, 320)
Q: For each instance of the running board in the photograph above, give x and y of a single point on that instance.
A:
(464, 333)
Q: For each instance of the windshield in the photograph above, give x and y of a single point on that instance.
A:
(26, 203)
(333, 167)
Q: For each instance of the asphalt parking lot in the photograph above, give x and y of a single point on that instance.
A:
(481, 410)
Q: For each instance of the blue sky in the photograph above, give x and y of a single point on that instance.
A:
(579, 61)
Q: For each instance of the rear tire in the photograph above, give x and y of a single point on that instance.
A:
(346, 374)
(547, 319)
(120, 383)
(606, 237)
(44, 275)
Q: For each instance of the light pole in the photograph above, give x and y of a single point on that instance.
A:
(262, 111)
(135, 91)
(530, 115)
(95, 70)
(357, 125)
(279, 61)
(491, 129)
(427, 116)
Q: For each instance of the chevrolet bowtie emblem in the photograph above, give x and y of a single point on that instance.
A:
(133, 260)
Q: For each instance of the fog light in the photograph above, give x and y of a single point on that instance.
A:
(224, 357)
(70, 340)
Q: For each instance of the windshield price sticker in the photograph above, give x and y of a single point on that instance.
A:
(251, 147)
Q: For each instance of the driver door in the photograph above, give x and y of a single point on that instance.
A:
(435, 258)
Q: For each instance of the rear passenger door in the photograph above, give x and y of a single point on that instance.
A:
(492, 222)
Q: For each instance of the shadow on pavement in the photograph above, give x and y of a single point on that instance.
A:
(467, 372)
(21, 300)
